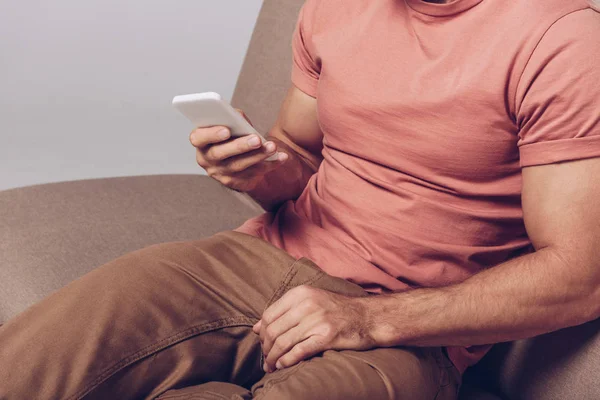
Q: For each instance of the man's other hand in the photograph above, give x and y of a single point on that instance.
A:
(307, 321)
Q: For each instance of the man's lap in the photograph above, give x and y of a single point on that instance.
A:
(196, 287)
(398, 373)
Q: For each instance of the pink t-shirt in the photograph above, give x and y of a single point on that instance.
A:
(429, 112)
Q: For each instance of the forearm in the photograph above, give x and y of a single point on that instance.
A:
(531, 295)
(286, 182)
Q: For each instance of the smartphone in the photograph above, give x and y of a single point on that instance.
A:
(209, 109)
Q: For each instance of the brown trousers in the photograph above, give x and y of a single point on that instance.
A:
(174, 321)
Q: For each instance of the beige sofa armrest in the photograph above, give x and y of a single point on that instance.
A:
(52, 234)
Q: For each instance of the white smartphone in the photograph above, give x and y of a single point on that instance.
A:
(208, 109)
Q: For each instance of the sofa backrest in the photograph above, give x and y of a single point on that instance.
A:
(265, 75)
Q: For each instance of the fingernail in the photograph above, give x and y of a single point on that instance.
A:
(282, 157)
(278, 365)
(270, 147)
(254, 141)
(223, 133)
(265, 367)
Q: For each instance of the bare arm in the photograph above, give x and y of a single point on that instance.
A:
(556, 287)
(297, 133)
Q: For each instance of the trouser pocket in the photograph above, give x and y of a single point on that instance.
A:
(305, 272)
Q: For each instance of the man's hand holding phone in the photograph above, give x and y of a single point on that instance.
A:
(238, 156)
(236, 162)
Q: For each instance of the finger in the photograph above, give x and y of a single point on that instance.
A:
(200, 159)
(202, 137)
(256, 327)
(300, 352)
(237, 146)
(283, 345)
(245, 161)
(284, 304)
(282, 325)
(282, 157)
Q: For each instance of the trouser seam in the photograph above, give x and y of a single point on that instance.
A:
(309, 281)
(284, 284)
(289, 275)
(162, 344)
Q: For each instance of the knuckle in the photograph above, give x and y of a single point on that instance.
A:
(270, 333)
(328, 330)
(201, 160)
(197, 138)
(300, 350)
(310, 303)
(236, 167)
(280, 345)
(304, 307)
(267, 318)
(242, 144)
(207, 155)
(212, 172)
(226, 180)
(304, 289)
(213, 154)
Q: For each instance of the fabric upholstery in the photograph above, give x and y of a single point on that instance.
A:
(265, 75)
(52, 234)
(559, 365)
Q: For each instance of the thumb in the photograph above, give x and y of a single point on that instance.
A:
(282, 157)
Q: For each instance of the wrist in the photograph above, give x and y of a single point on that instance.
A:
(263, 194)
(381, 318)
(281, 184)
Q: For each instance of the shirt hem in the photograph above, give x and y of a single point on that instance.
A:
(305, 83)
(561, 150)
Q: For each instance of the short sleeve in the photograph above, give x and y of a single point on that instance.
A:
(306, 67)
(558, 95)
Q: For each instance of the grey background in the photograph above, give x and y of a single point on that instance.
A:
(86, 86)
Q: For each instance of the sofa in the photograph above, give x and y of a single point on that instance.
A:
(52, 234)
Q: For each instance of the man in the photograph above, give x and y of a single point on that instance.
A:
(424, 151)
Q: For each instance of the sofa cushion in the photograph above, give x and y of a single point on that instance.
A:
(52, 234)
(558, 365)
(266, 73)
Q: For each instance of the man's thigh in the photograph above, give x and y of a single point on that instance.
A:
(394, 373)
(386, 373)
(151, 320)
(381, 374)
